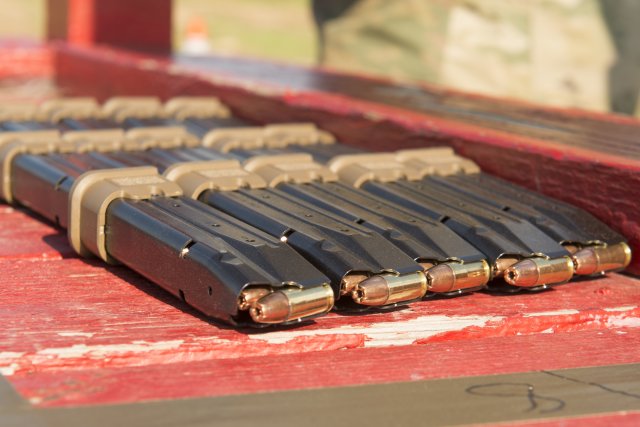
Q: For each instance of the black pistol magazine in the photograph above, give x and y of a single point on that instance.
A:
(545, 233)
(352, 257)
(223, 267)
(594, 247)
(453, 265)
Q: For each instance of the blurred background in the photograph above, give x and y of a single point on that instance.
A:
(568, 53)
(274, 29)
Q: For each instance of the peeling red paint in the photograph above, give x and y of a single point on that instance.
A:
(248, 374)
(141, 353)
(532, 324)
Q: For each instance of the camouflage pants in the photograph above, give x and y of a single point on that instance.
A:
(556, 52)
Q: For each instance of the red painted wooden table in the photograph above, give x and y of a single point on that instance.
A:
(78, 334)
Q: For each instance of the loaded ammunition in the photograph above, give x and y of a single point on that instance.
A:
(387, 289)
(378, 256)
(341, 250)
(595, 248)
(571, 227)
(530, 241)
(349, 281)
(534, 272)
(599, 258)
(480, 276)
(287, 304)
(250, 296)
(458, 277)
(578, 231)
(427, 242)
(433, 243)
(247, 265)
(497, 234)
(134, 216)
(346, 253)
(437, 245)
(567, 225)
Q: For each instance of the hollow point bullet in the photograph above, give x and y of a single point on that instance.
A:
(389, 289)
(290, 304)
(535, 272)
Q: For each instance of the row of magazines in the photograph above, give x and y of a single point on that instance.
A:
(258, 225)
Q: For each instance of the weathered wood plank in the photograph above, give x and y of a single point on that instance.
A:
(73, 323)
(180, 377)
(23, 236)
(71, 326)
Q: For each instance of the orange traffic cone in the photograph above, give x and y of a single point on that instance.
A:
(196, 40)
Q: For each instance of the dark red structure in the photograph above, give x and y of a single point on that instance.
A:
(77, 333)
(136, 24)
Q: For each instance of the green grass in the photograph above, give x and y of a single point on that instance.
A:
(275, 29)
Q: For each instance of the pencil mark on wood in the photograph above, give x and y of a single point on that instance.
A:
(594, 384)
(536, 402)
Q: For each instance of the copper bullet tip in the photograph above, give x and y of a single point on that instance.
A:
(388, 289)
(502, 264)
(272, 308)
(249, 296)
(534, 272)
(372, 291)
(350, 281)
(290, 304)
(599, 259)
(453, 276)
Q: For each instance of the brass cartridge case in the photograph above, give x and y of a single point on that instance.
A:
(454, 276)
(598, 259)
